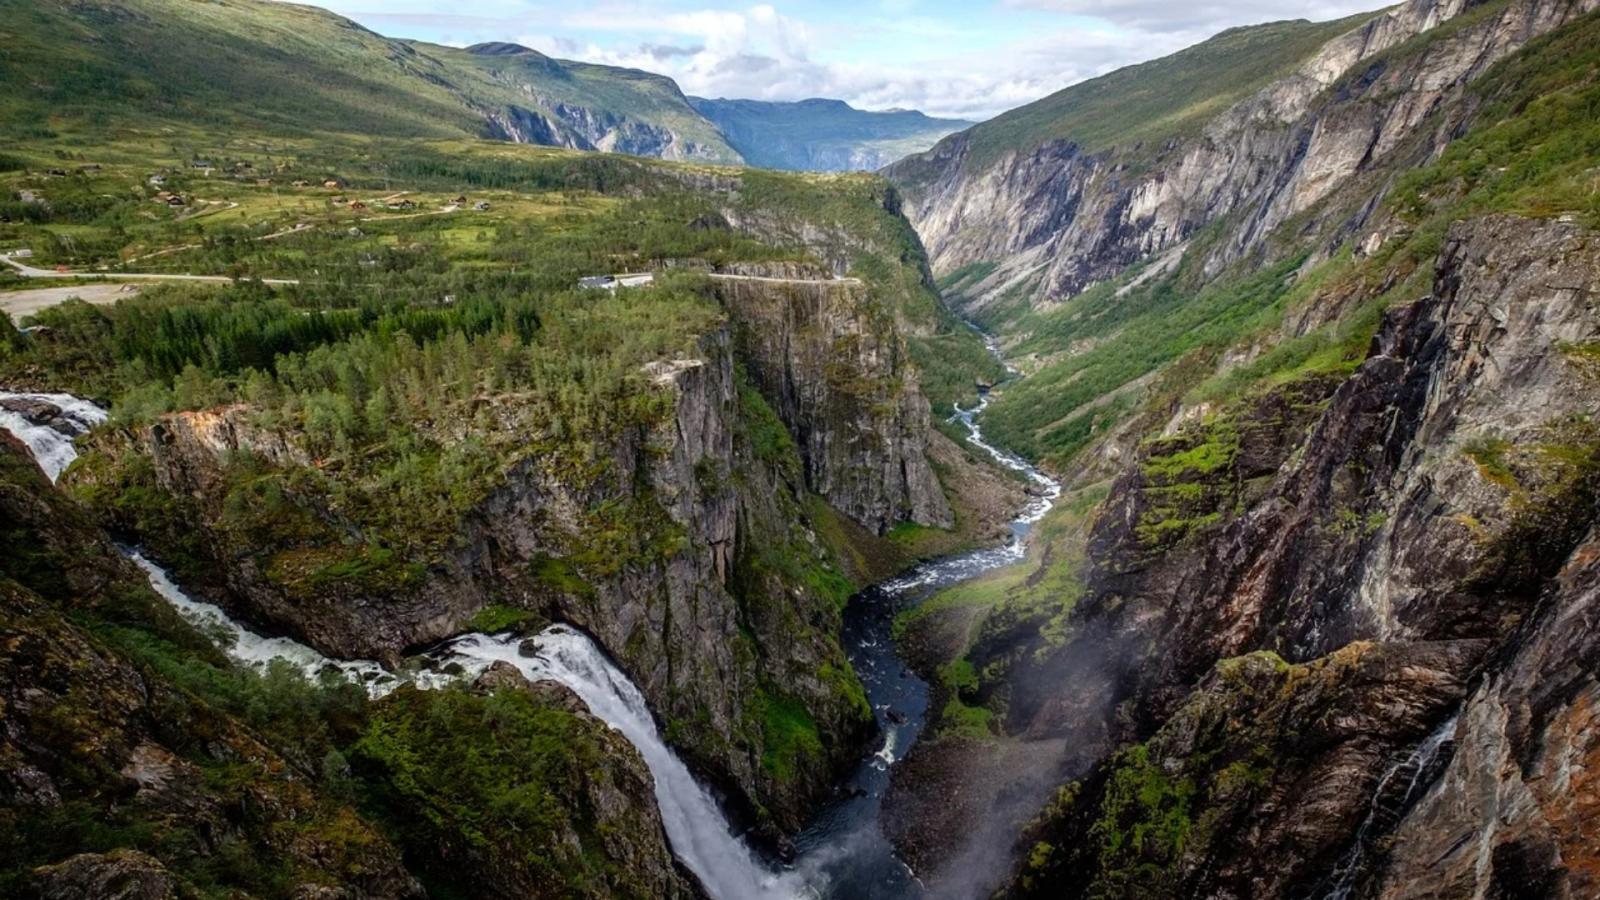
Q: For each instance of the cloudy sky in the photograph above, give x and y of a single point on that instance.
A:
(962, 58)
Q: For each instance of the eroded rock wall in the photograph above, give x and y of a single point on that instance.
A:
(1064, 219)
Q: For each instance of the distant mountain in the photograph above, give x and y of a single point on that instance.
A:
(822, 135)
(533, 98)
(284, 68)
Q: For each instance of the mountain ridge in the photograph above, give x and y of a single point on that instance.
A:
(820, 133)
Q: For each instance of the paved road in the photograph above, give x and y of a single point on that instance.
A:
(728, 277)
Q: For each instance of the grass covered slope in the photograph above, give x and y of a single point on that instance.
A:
(1527, 149)
(284, 69)
(1142, 106)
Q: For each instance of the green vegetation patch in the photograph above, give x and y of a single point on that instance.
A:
(1189, 482)
(496, 618)
(465, 780)
(791, 742)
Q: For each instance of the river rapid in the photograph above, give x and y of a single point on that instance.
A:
(843, 855)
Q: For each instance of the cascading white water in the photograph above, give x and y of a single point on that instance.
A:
(51, 445)
(699, 833)
(248, 648)
(1414, 767)
(53, 449)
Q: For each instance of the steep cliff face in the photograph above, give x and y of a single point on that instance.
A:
(579, 129)
(534, 99)
(553, 123)
(1420, 482)
(835, 367)
(1266, 760)
(1517, 812)
(1049, 220)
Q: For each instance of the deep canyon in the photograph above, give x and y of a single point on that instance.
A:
(1184, 485)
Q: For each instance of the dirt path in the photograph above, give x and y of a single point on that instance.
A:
(28, 271)
(20, 304)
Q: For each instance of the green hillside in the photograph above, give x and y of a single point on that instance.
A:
(278, 68)
(1530, 153)
(1145, 105)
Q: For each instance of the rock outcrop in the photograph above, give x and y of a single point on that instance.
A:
(1517, 812)
(539, 100)
(118, 875)
(1266, 760)
(841, 377)
(557, 124)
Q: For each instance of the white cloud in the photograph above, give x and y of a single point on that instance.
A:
(1164, 16)
(768, 51)
(760, 53)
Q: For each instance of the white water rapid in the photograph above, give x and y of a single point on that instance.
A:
(1042, 493)
(51, 444)
(257, 651)
(699, 833)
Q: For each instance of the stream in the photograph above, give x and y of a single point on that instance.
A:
(843, 855)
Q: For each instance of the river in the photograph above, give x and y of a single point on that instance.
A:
(843, 855)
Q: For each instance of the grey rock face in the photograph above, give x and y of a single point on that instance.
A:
(1069, 219)
(840, 378)
(1444, 494)
(1387, 514)
(118, 875)
(1517, 813)
(560, 124)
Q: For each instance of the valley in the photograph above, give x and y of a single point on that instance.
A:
(1184, 485)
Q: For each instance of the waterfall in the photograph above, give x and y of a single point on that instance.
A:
(699, 833)
(50, 442)
(1414, 767)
